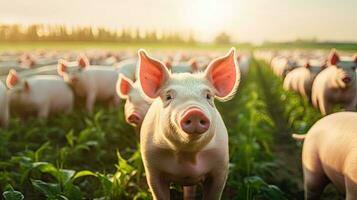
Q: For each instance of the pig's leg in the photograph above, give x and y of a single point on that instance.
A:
(90, 101)
(350, 173)
(160, 188)
(314, 183)
(115, 101)
(351, 189)
(325, 107)
(43, 112)
(189, 192)
(214, 184)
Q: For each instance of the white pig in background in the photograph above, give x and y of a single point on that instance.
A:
(300, 79)
(4, 106)
(136, 105)
(336, 85)
(183, 67)
(244, 62)
(128, 68)
(183, 137)
(42, 94)
(91, 82)
(330, 155)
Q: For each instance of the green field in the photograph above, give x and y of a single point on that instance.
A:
(83, 156)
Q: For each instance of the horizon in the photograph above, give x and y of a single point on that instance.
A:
(252, 21)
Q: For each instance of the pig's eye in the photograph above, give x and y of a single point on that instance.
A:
(168, 97)
(208, 96)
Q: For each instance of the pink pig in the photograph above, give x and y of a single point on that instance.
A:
(329, 155)
(41, 94)
(136, 105)
(183, 137)
(300, 79)
(91, 82)
(336, 85)
(4, 106)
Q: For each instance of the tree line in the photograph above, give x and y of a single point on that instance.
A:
(41, 32)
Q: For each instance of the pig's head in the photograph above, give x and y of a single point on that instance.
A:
(136, 105)
(18, 89)
(72, 75)
(345, 69)
(187, 113)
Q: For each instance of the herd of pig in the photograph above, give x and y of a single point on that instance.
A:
(330, 147)
(169, 101)
(326, 80)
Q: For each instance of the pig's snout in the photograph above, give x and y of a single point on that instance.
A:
(194, 121)
(346, 79)
(134, 118)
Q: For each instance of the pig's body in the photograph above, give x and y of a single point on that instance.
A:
(330, 155)
(183, 137)
(329, 89)
(96, 84)
(128, 68)
(93, 83)
(45, 95)
(300, 80)
(4, 106)
(186, 164)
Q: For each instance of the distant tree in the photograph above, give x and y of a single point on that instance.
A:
(222, 38)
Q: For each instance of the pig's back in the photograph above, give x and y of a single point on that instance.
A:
(128, 68)
(104, 79)
(335, 137)
(50, 88)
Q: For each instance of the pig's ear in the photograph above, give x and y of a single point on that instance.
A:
(355, 57)
(12, 79)
(152, 75)
(224, 75)
(194, 65)
(124, 86)
(83, 61)
(62, 67)
(307, 65)
(26, 86)
(168, 64)
(333, 58)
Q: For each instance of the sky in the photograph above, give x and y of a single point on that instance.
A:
(245, 20)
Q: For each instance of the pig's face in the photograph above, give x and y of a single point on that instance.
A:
(73, 74)
(136, 105)
(187, 111)
(345, 69)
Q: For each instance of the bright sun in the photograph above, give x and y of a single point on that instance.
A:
(206, 17)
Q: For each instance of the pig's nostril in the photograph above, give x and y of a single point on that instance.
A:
(194, 121)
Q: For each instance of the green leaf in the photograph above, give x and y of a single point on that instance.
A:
(47, 189)
(83, 173)
(66, 175)
(70, 138)
(12, 195)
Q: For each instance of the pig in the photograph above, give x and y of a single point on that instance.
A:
(136, 105)
(189, 67)
(335, 85)
(329, 155)
(4, 106)
(281, 65)
(183, 137)
(91, 82)
(41, 94)
(300, 79)
(127, 68)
